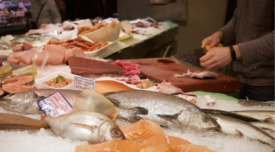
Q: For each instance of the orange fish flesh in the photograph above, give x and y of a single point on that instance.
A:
(158, 140)
(24, 80)
(191, 148)
(141, 130)
(179, 148)
(105, 86)
(17, 88)
(112, 146)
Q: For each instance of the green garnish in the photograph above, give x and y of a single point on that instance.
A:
(57, 79)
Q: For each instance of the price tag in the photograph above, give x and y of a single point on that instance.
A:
(80, 83)
(55, 105)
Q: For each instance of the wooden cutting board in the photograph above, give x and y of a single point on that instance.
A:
(159, 69)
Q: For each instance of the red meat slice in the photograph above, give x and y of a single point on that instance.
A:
(84, 66)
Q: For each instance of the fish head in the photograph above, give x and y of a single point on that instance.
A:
(110, 131)
(198, 121)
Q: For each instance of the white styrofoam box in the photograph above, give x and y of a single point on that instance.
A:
(54, 75)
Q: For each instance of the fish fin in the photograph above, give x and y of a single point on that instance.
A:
(171, 118)
(114, 101)
(268, 119)
(88, 127)
(133, 119)
(38, 97)
(140, 110)
(239, 133)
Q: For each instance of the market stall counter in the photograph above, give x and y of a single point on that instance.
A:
(74, 100)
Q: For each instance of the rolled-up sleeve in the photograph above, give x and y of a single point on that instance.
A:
(258, 50)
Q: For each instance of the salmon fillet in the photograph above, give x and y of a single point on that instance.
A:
(25, 80)
(141, 130)
(111, 146)
(17, 88)
(162, 140)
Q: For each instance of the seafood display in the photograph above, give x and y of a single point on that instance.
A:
(198, 74)
(141, 130)
(166, 110)
(26, 102)
(168, 88)
(89, 67)
(128, 67)
(264, 125)
(5, 71)
(145, 84)
(154, 112)
(104, 86)
(116, 145)
(23, 80)
(85, 126)
(12, 121)
(144, 136)
(21, 57)
(267, 116)
(58, 82)
(88, 29)
(17, 88)
(22, 47)
(238, 127)
(233, 115)
(81, 43)
(28, 70)
(90, 100)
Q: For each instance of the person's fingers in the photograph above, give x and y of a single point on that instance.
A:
(214, 43)
(205, 42)
(208, 63)
(213, 66)
(206, 57)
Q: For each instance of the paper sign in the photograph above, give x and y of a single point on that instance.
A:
(80, 83)
(127, 27)
(86, 22)
(55, 105)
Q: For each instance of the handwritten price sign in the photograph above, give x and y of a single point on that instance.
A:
(80, 83)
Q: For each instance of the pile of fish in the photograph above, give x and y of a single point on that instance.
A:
(166, 110)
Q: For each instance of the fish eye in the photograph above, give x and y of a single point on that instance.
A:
(116, 133)
(205, 120)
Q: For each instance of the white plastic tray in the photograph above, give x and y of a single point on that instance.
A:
(53, 75)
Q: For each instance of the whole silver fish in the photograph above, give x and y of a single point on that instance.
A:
(264, 125)
(267, 116)
(85, 126)
(166, 110)
(26, 102)
(234, 126)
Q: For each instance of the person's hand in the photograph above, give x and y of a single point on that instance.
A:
(212, 40)
(216, 57)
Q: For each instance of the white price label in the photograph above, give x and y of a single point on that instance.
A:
(80, 83)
